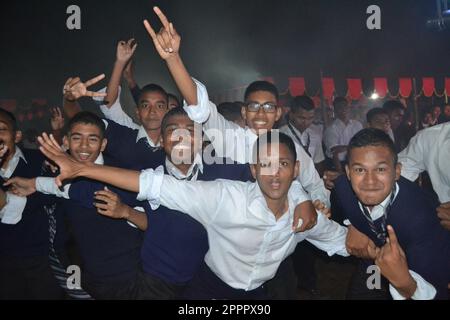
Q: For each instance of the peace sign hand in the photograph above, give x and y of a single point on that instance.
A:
(167, 41)
(75, 89)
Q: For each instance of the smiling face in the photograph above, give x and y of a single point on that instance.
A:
(151, 109)
(261, 121)
(372, 173)
(179, 139)
(275, 170)
(85, 142)
(8, 137)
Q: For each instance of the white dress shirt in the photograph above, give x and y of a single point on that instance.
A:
(425, 290)
(429, 150)
(11, 213)
(340, 134)
(246, 242)
(175, 172)
(115, 113)
(313, 134)
(236, 143)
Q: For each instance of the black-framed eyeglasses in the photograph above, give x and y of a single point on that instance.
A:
(267, 107)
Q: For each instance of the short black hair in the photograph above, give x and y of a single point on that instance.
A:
(11, 118)
(340, 102)
(392, 105)
(230, 110)
(154, 88)
(86, 117)
(174, 97)
(375, 112)
(261, 86)
(270, 136)
(372, 137)
(302, 102)
(178, 111)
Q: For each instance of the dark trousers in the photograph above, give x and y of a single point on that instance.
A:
(304, 258)
(141, 287)
(284, 285)
(358, 289)
(206, 285)
(28, 278)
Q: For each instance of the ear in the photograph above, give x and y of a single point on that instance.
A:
(347, 171)
(18, 137)
(66, 142)
(279, 113)
(138, 116)
(244, 114)
(104, 144)
(398, 171)
(253, 170)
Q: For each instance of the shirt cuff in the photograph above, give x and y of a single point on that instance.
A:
(140, 209)
(150, 182)
(199, 113)
(47, 185)
(424, 291)
(12, 211)
(101, 102)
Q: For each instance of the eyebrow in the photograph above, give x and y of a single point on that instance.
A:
(362, 165)
(80, 134)
(252, 101)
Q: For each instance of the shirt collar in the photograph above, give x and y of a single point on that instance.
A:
(142, 133)
(258, 205)
(378, 210)
(12, 164)
(307, 130)
(100, 160)
(175, 172)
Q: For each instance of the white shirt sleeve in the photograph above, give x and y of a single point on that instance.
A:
(115, 112)
(48, 186)
(412, 158)
(327, 235)
(228, 139)
(331, 139)
(424, 291)
(11, 213)
(310, 179)
(199, 199)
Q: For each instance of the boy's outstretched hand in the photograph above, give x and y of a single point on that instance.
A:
(167, 41)
(69, 168)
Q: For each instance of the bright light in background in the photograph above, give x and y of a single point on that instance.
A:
(374, 96)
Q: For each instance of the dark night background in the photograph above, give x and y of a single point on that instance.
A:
(225, 43)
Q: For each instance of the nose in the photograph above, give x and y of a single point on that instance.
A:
(369, 178)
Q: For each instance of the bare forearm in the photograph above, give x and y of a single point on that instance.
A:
(138, 218)
(183, 80)
(113, 86)
(408, 289)
(121, 178)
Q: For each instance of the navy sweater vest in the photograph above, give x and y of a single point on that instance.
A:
(123, 148)
(413, 216)
(30, 236)
(109, 248)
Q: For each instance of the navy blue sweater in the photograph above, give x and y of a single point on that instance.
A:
(413, 216)
(175, 244)
(123, 148)
(30, 236)
(109, 248)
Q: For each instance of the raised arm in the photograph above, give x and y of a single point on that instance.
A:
(167, 43)
(124, 53)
